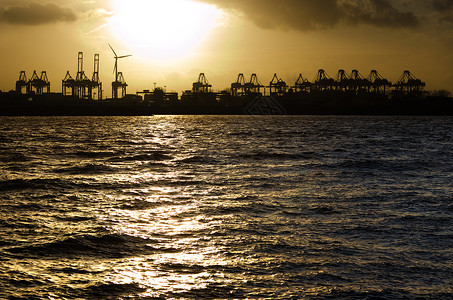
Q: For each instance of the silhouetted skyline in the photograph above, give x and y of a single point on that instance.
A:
(173, 40)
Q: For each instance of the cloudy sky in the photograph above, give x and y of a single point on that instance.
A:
(172, 41)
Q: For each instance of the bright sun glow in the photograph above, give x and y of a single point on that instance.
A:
(162, 29)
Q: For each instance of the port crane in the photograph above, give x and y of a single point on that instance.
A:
(37, 84)
(409, 84)
(22, 83)
(201, 85)
(323, 81)
(277, 85)
(302, 84)
(253, 86)
(237, 88)
(378, 83)
(82, 87)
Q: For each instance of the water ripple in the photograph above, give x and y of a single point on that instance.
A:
(226, 207)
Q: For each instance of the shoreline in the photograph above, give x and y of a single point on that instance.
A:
(338, 103)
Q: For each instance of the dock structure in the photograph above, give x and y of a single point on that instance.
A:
(343, 80)
(82, 87)
(346, 93)
(408, 84)
(302, 85)
(238, 87)
(82, 83)
(242, 87)
(96, 84)
(37, 85)
(254, 85)
(201, 92)
(68, 85)
(358, 83)
(323, 82)
(378, 84)
(353, 84)
(277, 86)
(119, 86)
(22, 84)
(201, 85)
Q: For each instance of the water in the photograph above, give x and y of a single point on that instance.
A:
(218, 207)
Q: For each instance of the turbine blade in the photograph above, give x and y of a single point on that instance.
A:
(124, 56)
(113, 50)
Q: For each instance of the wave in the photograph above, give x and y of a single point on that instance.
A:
(211, 291)
(324, 210)
(26, 283)
(6, 157)
(74, 218)
(95, 154)
(248, 208)
(397, 165)
(107, 245)
(262, 155)
(112, 290)
(198, 159)
(155, 156)
(87, 169)
(142, 205)
(182, 268)
(54, 184)
(72, 270)
(5, 139)
(179, 182)
(35, 183)
(384, 294)
(29, 207)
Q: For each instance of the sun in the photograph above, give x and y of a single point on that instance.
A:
(162, 29)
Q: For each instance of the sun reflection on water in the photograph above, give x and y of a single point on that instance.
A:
(180, 257)
(170, 272)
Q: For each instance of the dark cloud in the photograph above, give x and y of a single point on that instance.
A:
(36, 14)
(379, 13)
(442, 5)
(444, 10)
(308, 14)
(299, 14)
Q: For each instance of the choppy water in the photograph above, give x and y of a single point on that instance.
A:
(226, 207)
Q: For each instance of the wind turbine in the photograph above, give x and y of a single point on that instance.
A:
(115, 68)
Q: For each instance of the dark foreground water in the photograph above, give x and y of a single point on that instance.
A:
(226, 207)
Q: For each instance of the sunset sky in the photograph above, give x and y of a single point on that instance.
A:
(172, 41)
